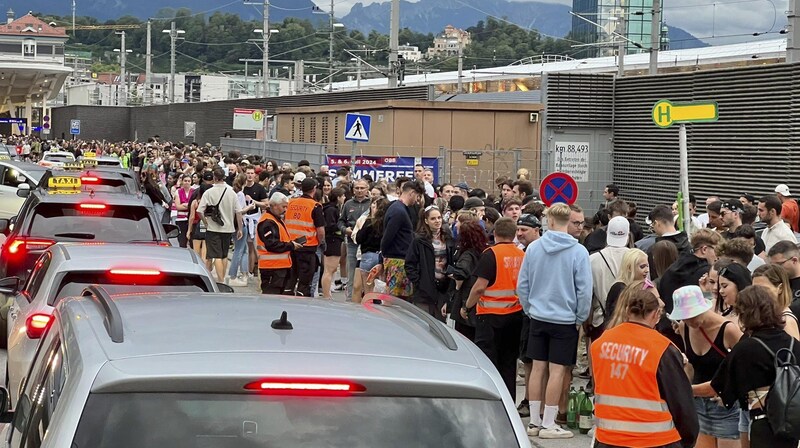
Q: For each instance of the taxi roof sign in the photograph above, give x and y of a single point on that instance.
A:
(665, 113)
(69, 166)
(64, 183)
(90, 154)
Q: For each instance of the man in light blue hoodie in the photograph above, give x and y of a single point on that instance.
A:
(555, 291)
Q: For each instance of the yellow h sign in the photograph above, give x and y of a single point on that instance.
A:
(665, 113)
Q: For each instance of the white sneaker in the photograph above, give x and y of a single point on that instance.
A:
(237, 282)
(555, 432)
(227, 280)
(533, 430)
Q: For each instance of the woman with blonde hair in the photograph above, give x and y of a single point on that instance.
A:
(776, 280)
(634, 267)
(523, 174)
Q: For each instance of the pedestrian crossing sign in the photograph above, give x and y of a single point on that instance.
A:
(357, 127)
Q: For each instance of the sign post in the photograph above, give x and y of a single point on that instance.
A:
(74, 128)
(356, 129)
(665, 114)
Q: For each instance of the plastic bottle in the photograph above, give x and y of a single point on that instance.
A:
(572, 409)
(585, 415)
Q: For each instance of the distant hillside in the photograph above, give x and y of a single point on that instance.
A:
(680, 39)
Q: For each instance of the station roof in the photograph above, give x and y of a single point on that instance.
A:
(30, 25)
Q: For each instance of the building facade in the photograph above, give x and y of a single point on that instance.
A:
(449, 42)
(409, 53)
(631, 18)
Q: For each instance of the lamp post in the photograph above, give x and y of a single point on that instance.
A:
(173, 36)
(265, 91)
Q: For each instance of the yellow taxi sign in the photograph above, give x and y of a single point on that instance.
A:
(5, 157)
(90, 154)
(89, 162)
(665, 113)
(72, 166)
(64, 182)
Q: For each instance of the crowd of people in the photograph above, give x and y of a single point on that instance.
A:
(680, 325)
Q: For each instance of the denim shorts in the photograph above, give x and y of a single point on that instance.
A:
(368, 261)
(716, 420)
(744, 421)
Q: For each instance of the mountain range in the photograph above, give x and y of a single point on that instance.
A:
(425, 16)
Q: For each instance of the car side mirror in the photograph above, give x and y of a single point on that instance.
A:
(4, 225)
(5, 414)
(10, 286)
(172, 230)
(23, 190)
(225, 288)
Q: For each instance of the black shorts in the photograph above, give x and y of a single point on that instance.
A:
(197, 235)
(523, 340)
(555, 343)
(217, 245)
(333, 247)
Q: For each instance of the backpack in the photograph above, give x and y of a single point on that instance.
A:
(213, 212)
(783, 398)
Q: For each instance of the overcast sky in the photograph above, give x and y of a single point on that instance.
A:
(716, 22)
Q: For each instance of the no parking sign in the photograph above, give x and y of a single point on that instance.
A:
(558, 187)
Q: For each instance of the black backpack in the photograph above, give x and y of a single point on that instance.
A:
(214, 213)
(783, 398)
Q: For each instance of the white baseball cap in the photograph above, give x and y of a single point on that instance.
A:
(783, 190)
(299, 177)
(617, 231)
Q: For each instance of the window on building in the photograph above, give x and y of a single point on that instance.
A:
(29, 47)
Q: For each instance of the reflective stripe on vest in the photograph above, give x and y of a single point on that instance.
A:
(629, 409)
(272, 260)
(501, 297)
(299, 220)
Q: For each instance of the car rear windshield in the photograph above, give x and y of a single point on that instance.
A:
(134, 420)
(60, 158)
(115, 223)
(108, 163)
(75, 282)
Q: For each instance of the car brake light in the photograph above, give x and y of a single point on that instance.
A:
(292, 386)
(89, 179)
(148, 272)
(92, 206)
(36, 324)
(19, 245)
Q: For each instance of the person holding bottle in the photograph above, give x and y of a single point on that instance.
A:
(659, 411)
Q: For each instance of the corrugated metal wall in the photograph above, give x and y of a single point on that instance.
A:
(213, 118)
(749, 150)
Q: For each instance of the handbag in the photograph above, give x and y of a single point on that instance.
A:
(213, 212)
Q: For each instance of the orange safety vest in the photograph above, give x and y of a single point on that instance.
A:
(299, 221)
(272, 260)
(501, 297)
(628, 407)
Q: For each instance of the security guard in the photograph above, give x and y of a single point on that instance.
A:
(499, 313)
(274, 246)
(643, 398)
(304, 219)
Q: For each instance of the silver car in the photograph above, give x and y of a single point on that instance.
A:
(65, 269)
(205, 370)
(56, 159)
(100, 161)
(13, 177)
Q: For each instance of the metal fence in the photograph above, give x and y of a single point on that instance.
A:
(280, 152)
(479, 169)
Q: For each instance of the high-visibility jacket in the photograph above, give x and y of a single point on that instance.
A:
(272, 260)
(501, 297)
(299, 221)
(628, 406)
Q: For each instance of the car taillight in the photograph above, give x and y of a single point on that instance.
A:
(20, 245)
(90, 206)
(89, 179)
(292, 386)
(36, 324)
(165, 244)
(145, 272)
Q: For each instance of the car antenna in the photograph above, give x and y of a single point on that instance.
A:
(282, 323)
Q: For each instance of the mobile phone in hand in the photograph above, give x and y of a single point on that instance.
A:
(301, 240)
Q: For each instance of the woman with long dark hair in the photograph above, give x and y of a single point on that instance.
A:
(472, 241)
(333, 239)
(182, 195)
(368, 237)
(430, 254)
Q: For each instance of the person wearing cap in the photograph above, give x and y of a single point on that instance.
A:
(529, 229)
(499, 313)
(747, 199)
(462, 189)
(659, 411)
(707, 332)
(789, 209)
(297, 180)
(475, 204)
(305, 219)
(605, 270)
(769, 211)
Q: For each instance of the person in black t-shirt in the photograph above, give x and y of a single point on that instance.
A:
(254, 193)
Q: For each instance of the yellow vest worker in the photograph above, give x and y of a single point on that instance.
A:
(299, 221)
(501, 296)
(274, 246)
(643, 399)
(274, 260)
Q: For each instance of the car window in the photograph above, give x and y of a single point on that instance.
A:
(36, 278)
(128, 420)
(60, 157)
(112, 223)
(13, 177)
(41, 395)
(74, 283)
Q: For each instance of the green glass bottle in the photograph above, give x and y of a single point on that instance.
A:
(585, 415)
(572, 409)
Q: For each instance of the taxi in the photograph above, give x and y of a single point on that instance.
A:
(98, 161)
(54, 159)
(60, 210)
(8, 152)
(16, 176)
(66, 269)
(211, 370)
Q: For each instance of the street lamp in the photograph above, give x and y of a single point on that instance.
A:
(173, 36)
(265, 61)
